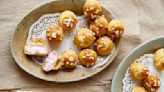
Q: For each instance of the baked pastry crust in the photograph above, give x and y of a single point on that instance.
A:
(115, 28)
(99, 26)
(84, 38)
(68, 20)
(54, 33)
(159, 59)
(69, 58)
(152, 82)
(92, 9)
(138, 71)
(88, 57)
(104, 45)
(138, 89)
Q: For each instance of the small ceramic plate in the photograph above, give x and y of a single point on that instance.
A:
(145, 48)
(21, 34)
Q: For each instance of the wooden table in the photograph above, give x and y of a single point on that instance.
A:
(143, 19)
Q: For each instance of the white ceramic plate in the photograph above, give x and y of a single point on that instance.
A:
(147, 47)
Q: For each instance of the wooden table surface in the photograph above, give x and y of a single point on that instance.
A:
(144, 20)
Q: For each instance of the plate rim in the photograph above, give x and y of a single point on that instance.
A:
(125, 59)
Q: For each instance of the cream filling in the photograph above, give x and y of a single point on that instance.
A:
(35, 49)
(50, 61)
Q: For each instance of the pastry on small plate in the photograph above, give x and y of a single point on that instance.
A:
(99, 26)
(104, 45)
(84, 38)
(139, 71)
(37, 47)
(54, 33)
(152, 82)
(88, 57)
(69, 58)
(159, 59)
(115, 28)
(92, 9)
(68, 20)
(138, 89)
(52, 62)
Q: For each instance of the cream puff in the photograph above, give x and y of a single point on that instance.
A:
(88, 57)
(138, 89)
(69, 58)
(92, 9)
(159, 59)
(84, 38)
(99, 26)
(52, 62)
(54, 33)
(152, 82)
(139, 71)
(115, 28)
(68, 20)
(37, 47)
(104, 45)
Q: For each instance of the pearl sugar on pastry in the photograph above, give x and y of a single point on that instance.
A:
(115, 28)
(84, 38)
(54, 33)
(70, 59)
(99, 26)
(139, 71)
(92, 9)
(68, 20)
(104, 45)
(88, 57)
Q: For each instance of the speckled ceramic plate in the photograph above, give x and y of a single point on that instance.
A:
(147, 47)
(21, 33)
